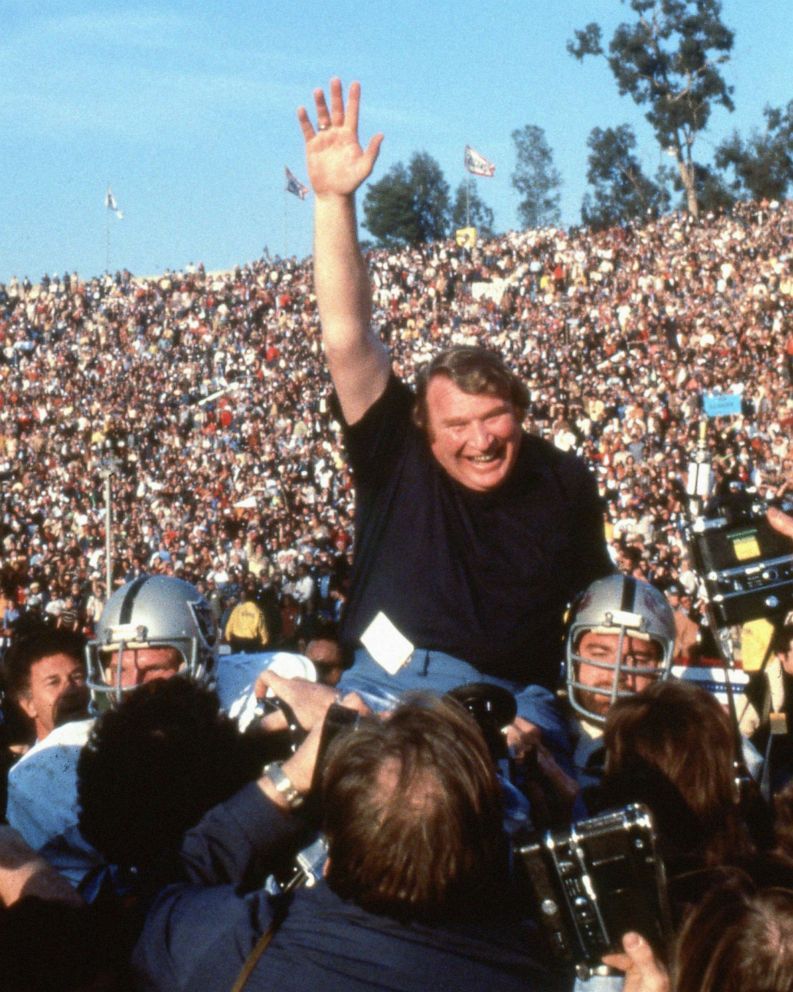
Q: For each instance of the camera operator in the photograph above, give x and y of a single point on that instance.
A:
(737, 939)
(767, 718)
(415, 887)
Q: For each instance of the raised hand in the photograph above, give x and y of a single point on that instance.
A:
(336, 162)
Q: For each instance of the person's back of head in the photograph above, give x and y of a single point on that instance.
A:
(782, 639)
(413, 813)
(154, 765)
(672, 746)
(739, 938)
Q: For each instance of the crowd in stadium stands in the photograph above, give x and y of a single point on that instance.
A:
(207, 398)
(201, 400)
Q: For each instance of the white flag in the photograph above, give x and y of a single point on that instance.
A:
(110, 203)
(478, 164)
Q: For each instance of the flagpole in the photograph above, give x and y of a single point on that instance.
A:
(286, 226)
(467, 201)
(107, 235)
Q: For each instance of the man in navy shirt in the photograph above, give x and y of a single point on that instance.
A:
(471, 535)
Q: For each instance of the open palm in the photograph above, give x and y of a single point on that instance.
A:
(336, 162)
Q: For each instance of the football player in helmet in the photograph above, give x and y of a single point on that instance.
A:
(621, 637)
(153, 627)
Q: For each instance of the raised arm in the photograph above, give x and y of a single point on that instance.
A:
(337, 166)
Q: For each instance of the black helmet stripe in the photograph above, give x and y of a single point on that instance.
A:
(629, 588)
(125, 616)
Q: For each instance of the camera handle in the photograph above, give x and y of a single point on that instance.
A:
(754, 799)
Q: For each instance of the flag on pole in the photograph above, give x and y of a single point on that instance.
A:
(293, 185)
(478, 164)
(110, 203)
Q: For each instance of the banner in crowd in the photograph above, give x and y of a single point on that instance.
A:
(492, 290)
(721, 404)
(465, 237)
(293, 185)
(478, 164)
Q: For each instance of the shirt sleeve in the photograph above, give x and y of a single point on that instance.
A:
(237, 842)
(374, 441)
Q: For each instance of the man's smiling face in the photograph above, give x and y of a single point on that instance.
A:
(474, 437)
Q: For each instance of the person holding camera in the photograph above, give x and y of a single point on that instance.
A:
(415, 888)
(767, 717)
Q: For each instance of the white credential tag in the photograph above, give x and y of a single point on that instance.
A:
(389, 648)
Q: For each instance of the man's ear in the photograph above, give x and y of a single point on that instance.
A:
(26, 704)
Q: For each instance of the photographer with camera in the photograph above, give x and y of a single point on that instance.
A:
(738, 939)
(416, 880)
(767, 715)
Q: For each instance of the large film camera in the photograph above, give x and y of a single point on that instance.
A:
(746, 565)
(591, 884)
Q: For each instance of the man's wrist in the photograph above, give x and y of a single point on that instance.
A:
(279, 787)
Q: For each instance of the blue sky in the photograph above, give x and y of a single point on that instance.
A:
(187, 109)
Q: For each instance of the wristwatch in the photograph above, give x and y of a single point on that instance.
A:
(283, 784)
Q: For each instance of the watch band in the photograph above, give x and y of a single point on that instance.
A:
(283, 784)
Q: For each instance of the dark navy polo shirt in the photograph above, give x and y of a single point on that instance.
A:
(485, 577)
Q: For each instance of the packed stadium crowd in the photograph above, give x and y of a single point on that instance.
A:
(205, 396)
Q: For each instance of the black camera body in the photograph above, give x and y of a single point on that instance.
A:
(594, 882)
(746, 565)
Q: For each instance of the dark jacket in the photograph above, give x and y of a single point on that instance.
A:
(198, 934)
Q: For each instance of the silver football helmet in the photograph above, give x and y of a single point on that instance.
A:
(152, 611)
(628, 610)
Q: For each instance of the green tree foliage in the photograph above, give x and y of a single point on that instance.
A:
(388, 209)
(668, 59)
(477, 214)
(535, 178)
(762, 164)
(409, 206)
(620, 190)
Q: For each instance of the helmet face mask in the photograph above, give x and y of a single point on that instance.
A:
(150, 613)
(621, 636)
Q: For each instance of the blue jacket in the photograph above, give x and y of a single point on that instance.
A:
(198, 934)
